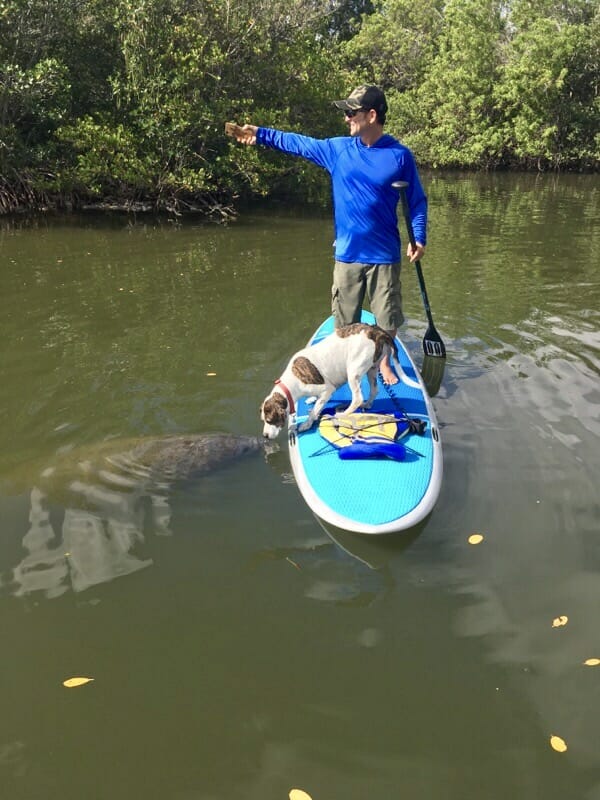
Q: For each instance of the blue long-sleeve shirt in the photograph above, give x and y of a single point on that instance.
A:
(365, 204)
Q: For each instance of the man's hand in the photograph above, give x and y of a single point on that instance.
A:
(415, 254)
(246, 134)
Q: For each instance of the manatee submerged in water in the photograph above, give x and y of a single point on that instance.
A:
(187, 457)
(129, 463)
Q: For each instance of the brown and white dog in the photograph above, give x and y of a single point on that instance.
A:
(345, 356)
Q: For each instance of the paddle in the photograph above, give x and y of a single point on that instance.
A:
(432, 341)
(432, 372)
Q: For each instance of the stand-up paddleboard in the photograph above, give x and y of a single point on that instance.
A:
(388, 489)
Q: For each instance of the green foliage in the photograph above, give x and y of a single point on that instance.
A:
(133, 101)
(108, 159)
(396, 45)
(126, 99)
(548, 95)
(190, 66)
(483, 83)
(456, 95)
(438, 63)
(344, 17)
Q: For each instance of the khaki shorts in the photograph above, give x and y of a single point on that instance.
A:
(380, 283)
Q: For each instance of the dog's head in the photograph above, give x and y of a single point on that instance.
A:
(274, 413)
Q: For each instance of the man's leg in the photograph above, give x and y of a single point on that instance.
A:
(347, 293)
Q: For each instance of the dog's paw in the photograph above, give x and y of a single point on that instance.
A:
(305, 426)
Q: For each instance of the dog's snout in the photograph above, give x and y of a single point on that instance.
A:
(271, 431)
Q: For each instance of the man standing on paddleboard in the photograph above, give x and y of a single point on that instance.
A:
(362, 167)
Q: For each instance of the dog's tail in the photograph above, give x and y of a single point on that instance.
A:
(383, 341)
(394, 347)
(391, 343)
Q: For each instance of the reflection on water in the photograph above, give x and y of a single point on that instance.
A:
(85, 549)
(524, 432)
(112, 496)
(548, 662)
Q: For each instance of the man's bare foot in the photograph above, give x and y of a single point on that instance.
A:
(388, 375)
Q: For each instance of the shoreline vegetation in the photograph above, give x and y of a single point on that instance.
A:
(121, 105)
(22, 197)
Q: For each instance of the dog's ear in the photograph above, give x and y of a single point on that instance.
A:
(275, 410)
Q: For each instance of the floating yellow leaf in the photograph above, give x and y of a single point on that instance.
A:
(298, 794)
(475, 538)
(71, 682)
(592, 662)
(559, 621)
(558, 744)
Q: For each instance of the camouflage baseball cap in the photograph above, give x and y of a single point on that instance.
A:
(364, 98)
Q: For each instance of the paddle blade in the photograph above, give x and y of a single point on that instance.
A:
(433, 344)
(432, 372)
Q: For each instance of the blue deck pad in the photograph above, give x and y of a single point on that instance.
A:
(370, 492)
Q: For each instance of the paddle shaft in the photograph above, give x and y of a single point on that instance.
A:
(411, 235)
(432, 344)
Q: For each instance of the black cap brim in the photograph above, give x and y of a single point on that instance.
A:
(344, 105)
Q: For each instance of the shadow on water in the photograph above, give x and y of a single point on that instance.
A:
(373, 551)
(347, 569)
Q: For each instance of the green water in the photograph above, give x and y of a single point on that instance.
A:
(238, 650)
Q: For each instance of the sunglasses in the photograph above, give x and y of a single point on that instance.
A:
(353, 112)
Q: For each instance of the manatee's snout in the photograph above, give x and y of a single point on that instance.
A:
(261, 443)
(254, 444)
(270, 447)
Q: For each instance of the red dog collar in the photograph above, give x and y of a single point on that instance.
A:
(287, 393)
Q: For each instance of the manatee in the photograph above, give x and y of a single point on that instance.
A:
(137, 461)
(175, 458)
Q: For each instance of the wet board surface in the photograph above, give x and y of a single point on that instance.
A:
(374, 495)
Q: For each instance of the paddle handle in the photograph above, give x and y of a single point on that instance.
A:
(401, 185)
